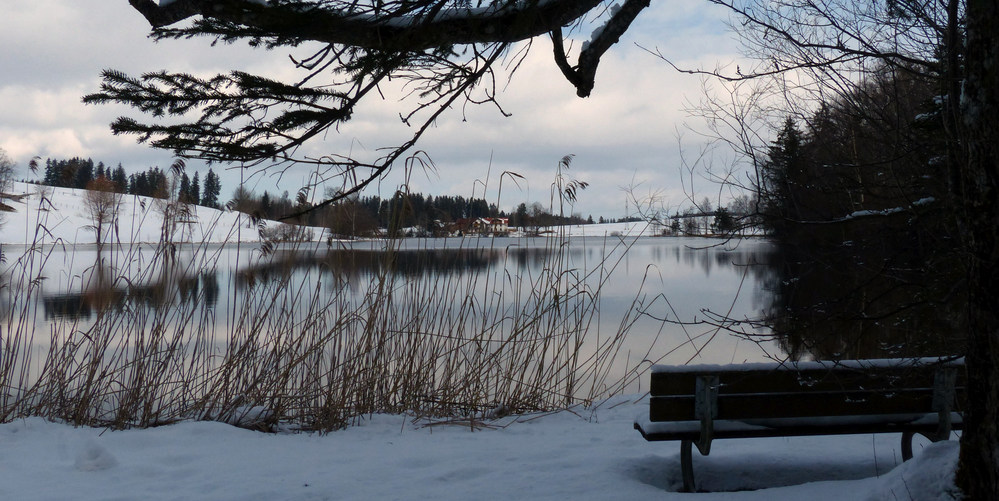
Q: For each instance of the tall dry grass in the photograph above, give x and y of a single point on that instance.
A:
(304, 347)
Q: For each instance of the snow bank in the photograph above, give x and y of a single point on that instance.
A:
(929, 477)
(576, 454)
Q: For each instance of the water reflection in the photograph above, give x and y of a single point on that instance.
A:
(829, 297)
(365, 263)
(67, 306)
(866, 292)
(202, 290)
(674, 278)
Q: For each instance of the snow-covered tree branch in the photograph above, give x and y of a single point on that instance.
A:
(380, 25)
(443, 51)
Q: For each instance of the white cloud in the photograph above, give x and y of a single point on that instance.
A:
(623, 132)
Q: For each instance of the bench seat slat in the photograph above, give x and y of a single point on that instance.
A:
(865, 365)
(774, 405)
(780, 427)
(784, 381)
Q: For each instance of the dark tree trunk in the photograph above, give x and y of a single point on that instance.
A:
(978, 470)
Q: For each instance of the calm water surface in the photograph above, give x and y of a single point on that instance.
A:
(666, 287)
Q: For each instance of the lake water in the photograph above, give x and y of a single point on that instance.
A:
(671, 292)
(317, 336)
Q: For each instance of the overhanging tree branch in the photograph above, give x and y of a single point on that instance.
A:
(583, 75)
(441, 50)
(409, 26)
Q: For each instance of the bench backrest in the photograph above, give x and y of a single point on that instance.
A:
(811, 389)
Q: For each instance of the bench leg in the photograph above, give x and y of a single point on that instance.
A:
(907, 441)
(907, 445)
(687, 465)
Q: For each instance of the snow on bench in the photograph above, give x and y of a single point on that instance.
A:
(696, 404)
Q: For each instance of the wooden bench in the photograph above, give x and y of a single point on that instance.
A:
(697, 404)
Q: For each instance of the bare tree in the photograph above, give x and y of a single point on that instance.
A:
(6, 173)
(6, 182)
(102, 201)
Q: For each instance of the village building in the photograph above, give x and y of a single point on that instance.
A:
(496, 226)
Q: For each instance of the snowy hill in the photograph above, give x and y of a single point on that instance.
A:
(48, 215)
(64, 215)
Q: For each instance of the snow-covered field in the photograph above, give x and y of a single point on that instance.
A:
(139, 220)
(576, 454)
(635, 229)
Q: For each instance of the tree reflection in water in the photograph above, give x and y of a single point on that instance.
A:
(879, 288)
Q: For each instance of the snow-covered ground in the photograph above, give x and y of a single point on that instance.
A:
(634, 229)
(65, 218)
(576, 454)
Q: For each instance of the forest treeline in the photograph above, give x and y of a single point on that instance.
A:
(876, 151)
(154, 182)
(415, 214)
(354, 216)
(855, 198)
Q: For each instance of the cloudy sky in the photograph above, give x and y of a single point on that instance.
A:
(624, 135)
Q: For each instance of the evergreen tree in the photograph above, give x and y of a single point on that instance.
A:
(185, 188)
(265, 206)
(133, 181)
(724, 222)
(159, 184)
(51, 173)
(781, 172)
(120, 179)
(84, 173)
(520, 215)
(194, 191)
(213, 187)
(64, 173)
(151, 183)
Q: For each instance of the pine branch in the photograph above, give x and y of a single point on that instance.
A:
(232, 108)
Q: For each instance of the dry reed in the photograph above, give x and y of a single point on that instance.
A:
(303, 347)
